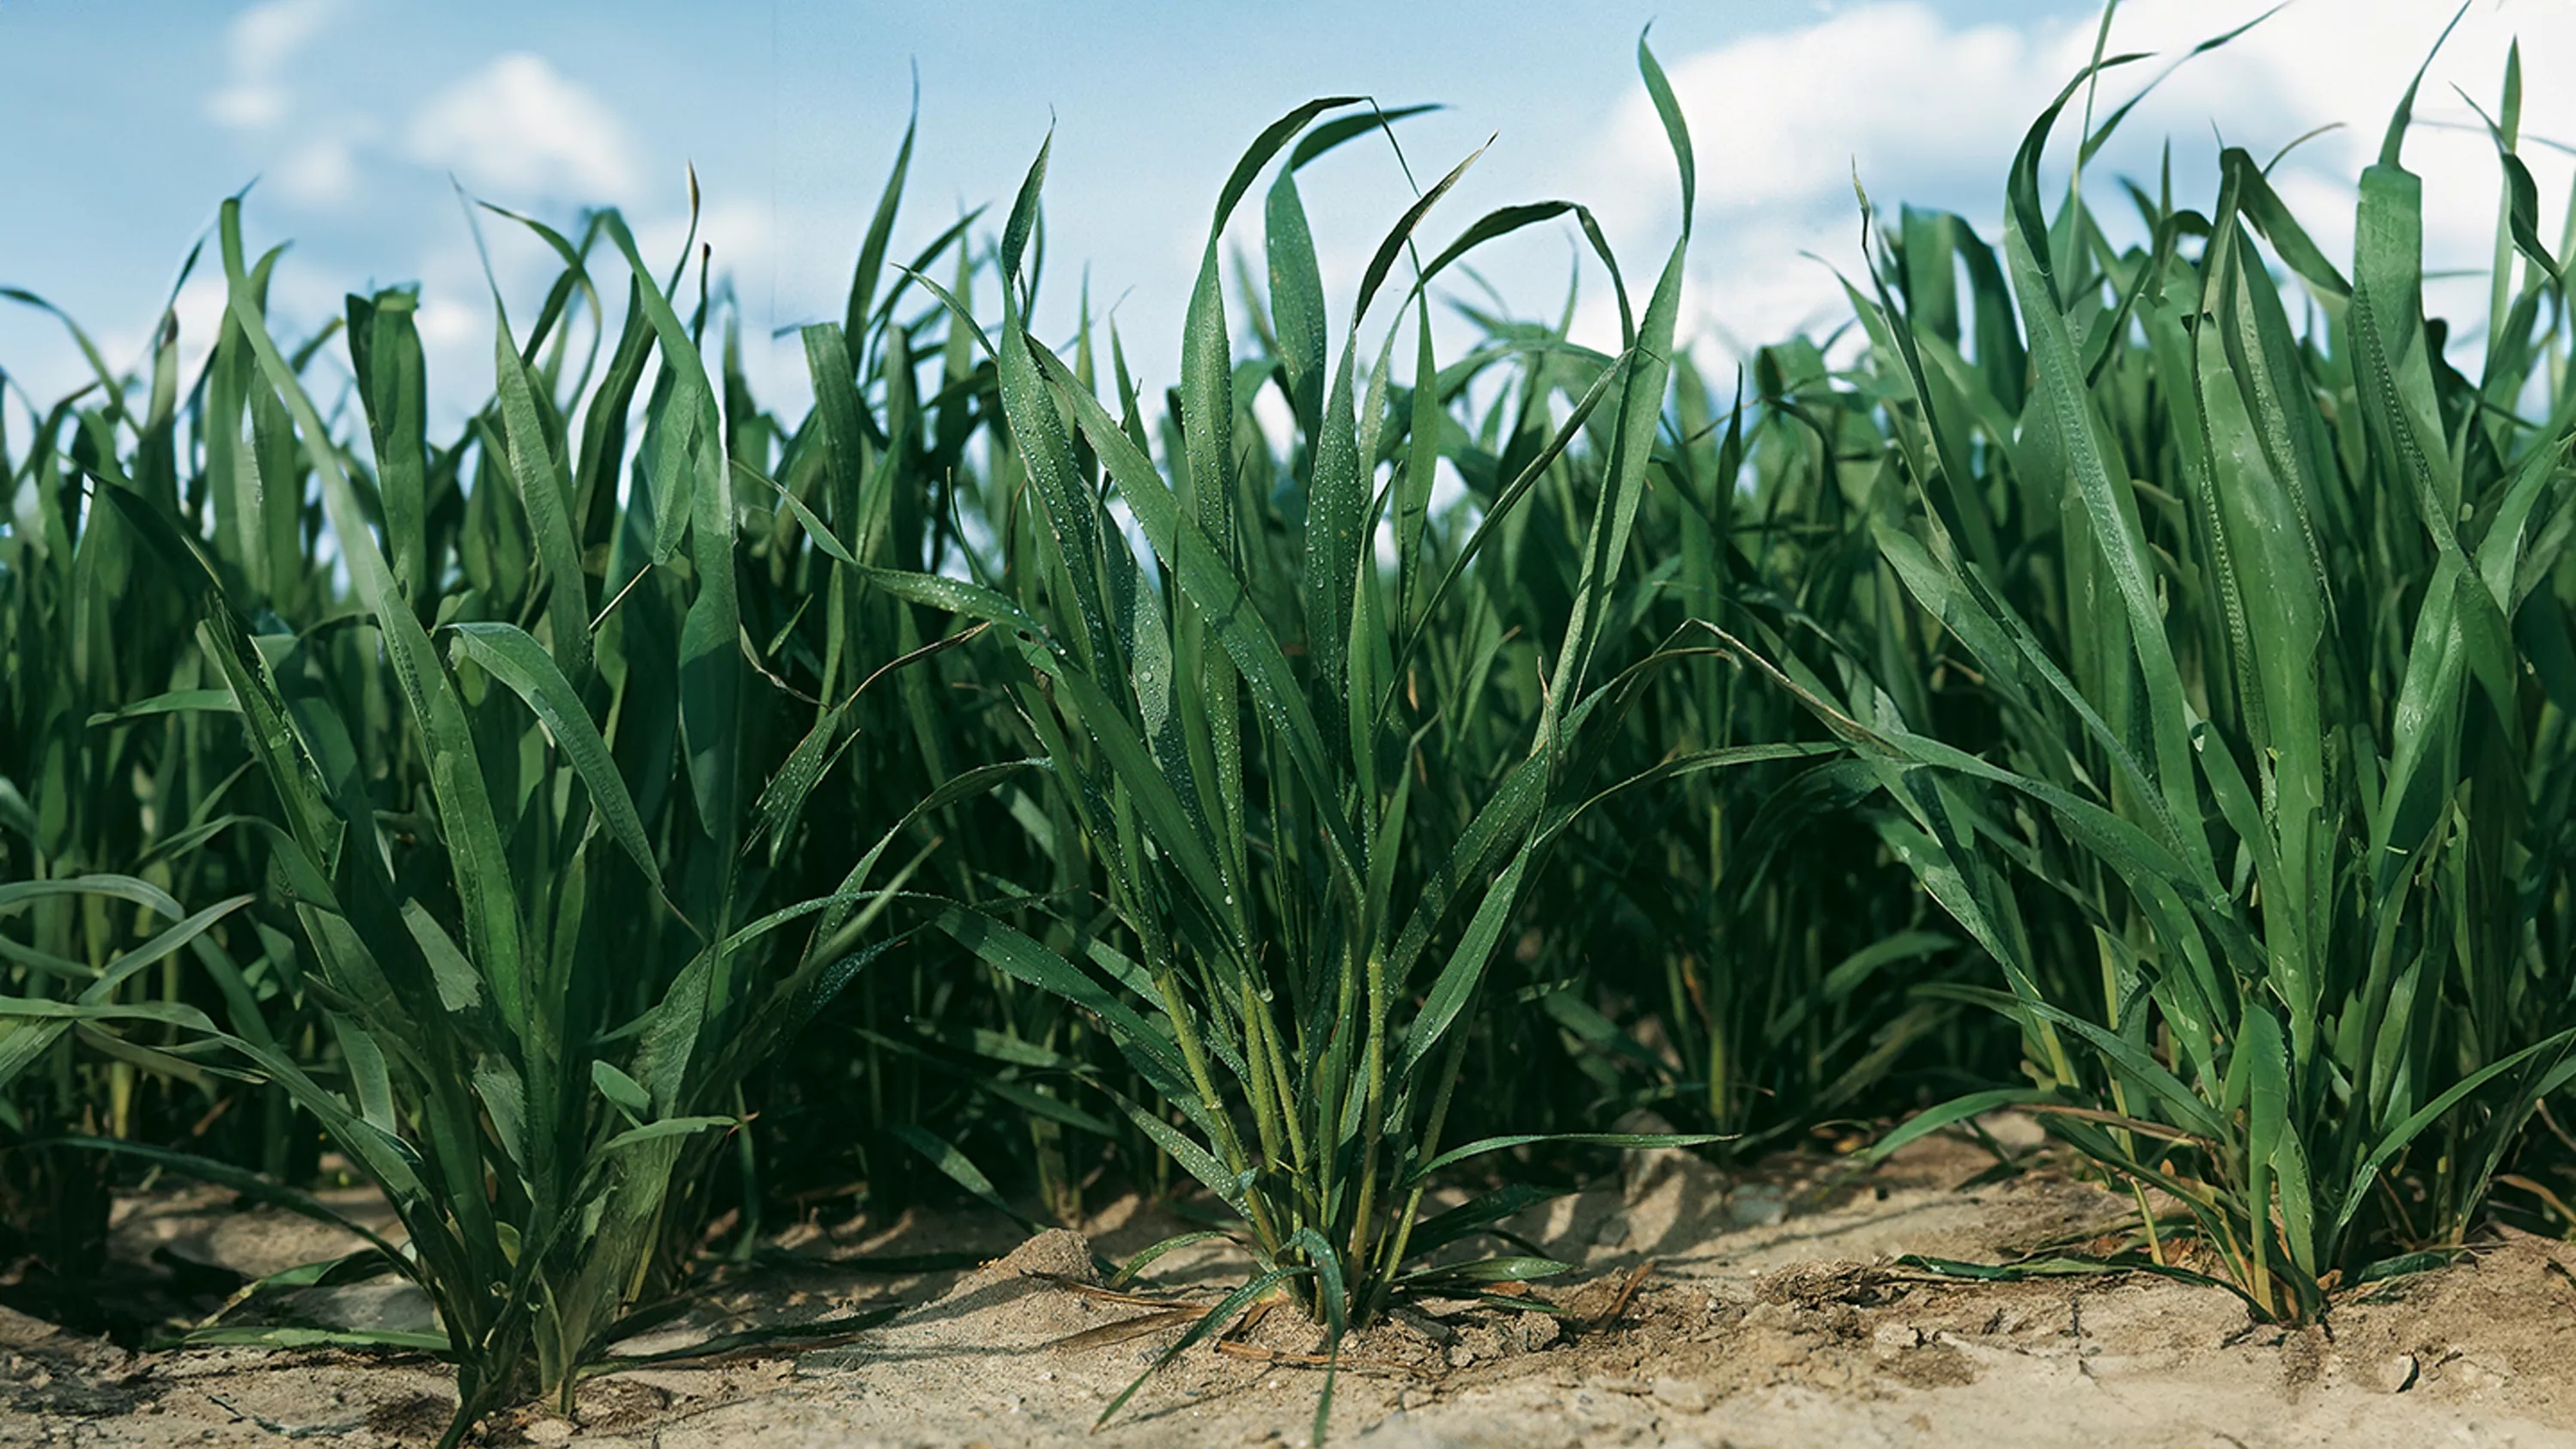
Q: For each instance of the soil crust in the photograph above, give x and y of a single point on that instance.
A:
(1759, 1309)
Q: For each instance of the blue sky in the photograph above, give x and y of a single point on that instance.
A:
(130, 122)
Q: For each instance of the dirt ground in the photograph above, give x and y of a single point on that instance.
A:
(1773, 1314)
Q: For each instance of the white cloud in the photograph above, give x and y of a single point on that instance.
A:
(519, 128)
(322, 170)
(1932, 112)
(1778, 118)
(736, 233)
(260, 44)
(248, 107)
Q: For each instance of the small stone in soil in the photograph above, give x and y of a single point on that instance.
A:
(1681, 1394)
(1895, 1337)
(2470, 1373)
(1539, 1331)
(1756, 1205)
(1425, 1325)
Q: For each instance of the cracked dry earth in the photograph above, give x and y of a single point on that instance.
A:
(1772, 1315)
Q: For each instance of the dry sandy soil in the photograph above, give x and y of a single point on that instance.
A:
(1773, 1314)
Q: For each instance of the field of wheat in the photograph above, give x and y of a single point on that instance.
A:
(2107, 713)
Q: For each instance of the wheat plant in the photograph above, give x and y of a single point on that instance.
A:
(2266, 629)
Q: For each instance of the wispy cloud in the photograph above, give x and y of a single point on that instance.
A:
(261, 45)
(326, 168)
(521, 129)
